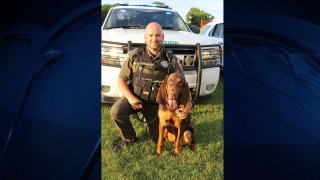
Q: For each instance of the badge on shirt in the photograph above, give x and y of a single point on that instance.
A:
(164, 64)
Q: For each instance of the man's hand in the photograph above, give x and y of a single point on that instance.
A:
(137, 105)
(181, 113)
(133, 100)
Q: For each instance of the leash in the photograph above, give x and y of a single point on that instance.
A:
(140, 117)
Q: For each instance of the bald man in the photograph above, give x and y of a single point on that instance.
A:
(139, 80)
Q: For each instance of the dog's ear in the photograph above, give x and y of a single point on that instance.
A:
(162, 93)
(185, 97)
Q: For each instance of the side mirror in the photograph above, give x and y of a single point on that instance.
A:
(195, 29)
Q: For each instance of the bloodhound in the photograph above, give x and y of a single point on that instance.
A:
(174, 98)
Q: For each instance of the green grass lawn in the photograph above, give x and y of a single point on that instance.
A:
(139, 161)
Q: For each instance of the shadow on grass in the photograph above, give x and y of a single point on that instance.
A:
(215, 99)
(209, 132)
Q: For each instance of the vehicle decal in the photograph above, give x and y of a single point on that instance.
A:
(170, 42)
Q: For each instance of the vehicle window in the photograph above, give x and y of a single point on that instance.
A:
(218, 31)
(206, 29)
(139, 18)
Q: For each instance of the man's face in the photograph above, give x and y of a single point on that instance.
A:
(154, 38)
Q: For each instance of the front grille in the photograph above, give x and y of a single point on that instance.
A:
(186, 55)
(113, 54)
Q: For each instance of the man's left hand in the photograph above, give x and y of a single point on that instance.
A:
(181, 113)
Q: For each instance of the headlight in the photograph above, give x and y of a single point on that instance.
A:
(110, 55)
(114, 52)
(211, 56)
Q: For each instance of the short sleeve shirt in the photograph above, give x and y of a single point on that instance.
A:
(129, 67)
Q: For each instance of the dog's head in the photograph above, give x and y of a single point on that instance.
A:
(174, 92)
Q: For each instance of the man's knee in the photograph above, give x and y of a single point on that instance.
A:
(114, 112)
(119, 109)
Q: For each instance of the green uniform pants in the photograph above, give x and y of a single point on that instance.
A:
(120, 114)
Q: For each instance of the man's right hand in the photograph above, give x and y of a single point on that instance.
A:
(137, 105)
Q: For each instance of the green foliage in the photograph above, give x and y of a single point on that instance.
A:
(138, 161)
(159, 3)
(198, 16)
(104, 10)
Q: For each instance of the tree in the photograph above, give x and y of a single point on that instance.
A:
(159, 3)
(104, 10)
(195, 15)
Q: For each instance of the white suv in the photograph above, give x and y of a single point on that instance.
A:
(123, 30)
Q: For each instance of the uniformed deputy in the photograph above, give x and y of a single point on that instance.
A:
(139, 80)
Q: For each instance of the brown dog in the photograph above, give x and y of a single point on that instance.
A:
(173, 96)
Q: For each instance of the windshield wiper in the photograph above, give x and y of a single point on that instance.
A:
(171, 28)
(167, 28)
(127, 27)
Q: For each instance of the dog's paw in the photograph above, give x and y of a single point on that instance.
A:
(175, 153)
(158, 153)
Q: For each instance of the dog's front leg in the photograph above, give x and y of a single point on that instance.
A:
(178, 140)
(160, 138)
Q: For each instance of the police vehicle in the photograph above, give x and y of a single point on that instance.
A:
(123, 29)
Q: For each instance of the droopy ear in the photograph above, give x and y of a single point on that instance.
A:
(162, 93)
(185, 97)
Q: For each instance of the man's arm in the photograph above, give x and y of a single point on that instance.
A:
(124, 76)
(133, 100)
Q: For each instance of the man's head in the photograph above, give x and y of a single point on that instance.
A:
(154, 37)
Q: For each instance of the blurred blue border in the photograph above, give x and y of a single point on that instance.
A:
(50, 86)
(271, 90)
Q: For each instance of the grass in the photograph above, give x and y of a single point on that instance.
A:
(138, 161)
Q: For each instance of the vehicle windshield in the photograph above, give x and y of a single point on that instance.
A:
(138, 19)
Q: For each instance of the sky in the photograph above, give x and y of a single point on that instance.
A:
(214, 7)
